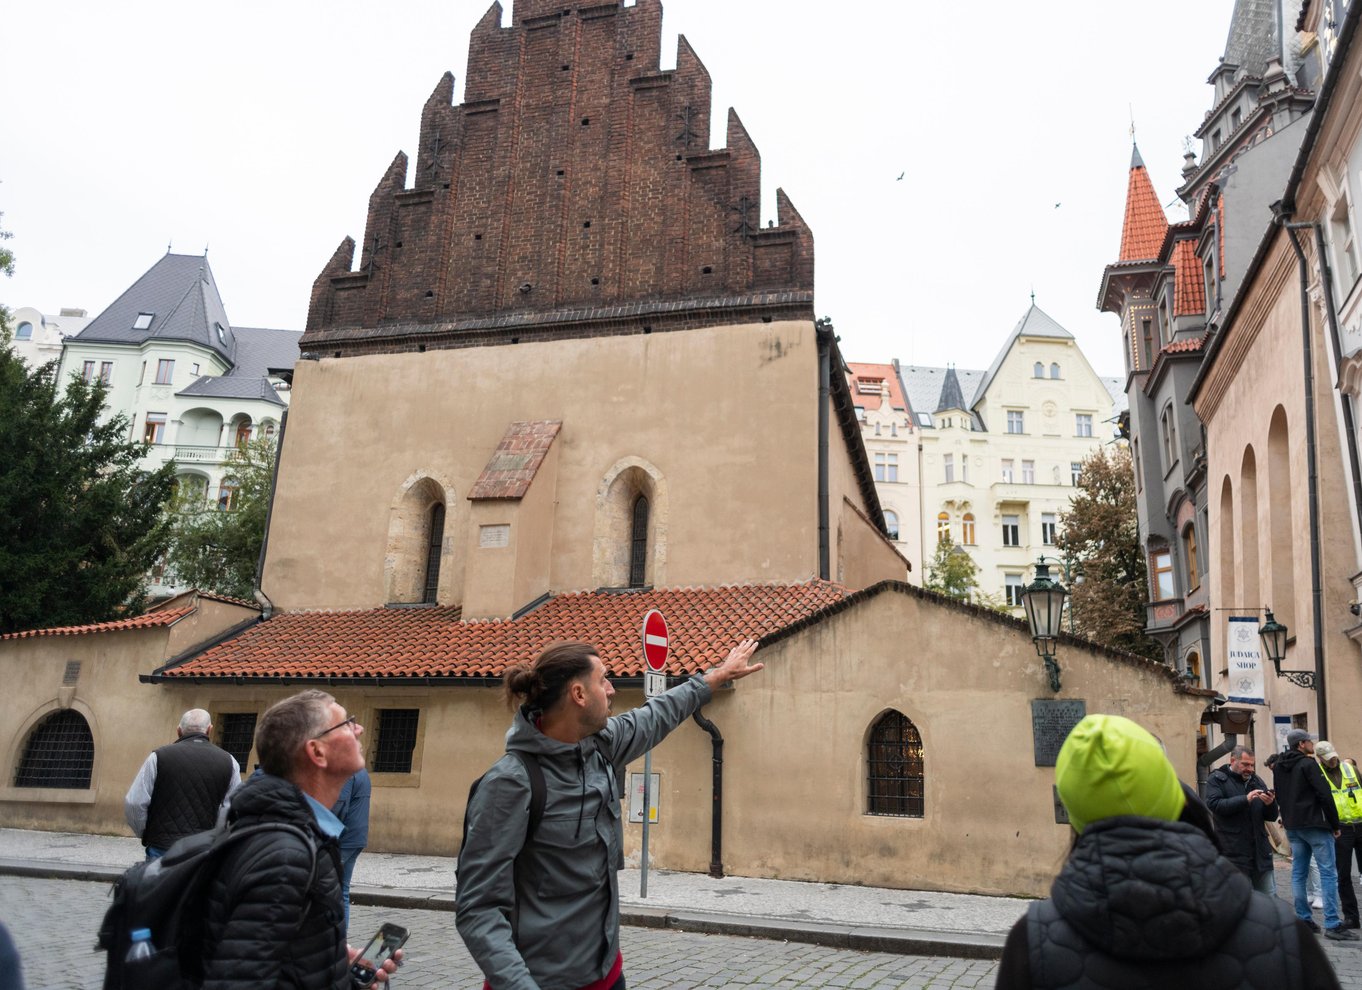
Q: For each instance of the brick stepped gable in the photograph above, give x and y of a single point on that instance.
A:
(573, 193)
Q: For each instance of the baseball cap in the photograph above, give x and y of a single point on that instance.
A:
(1297, 736)
(1324, 750)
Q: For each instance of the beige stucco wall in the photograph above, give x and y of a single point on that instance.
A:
(738, 403)
(795, 734)
(1259, 370)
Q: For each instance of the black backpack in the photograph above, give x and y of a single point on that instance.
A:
(538, 798)
(167, 895)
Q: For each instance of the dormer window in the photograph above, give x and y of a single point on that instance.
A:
(1236, 118)
(1215, 140)
(143, 321)
(222, 334)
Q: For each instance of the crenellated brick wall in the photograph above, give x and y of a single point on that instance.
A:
(572, 192)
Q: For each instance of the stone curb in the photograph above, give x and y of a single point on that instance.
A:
(901, 941)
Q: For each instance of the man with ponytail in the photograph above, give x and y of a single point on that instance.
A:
(540, 911)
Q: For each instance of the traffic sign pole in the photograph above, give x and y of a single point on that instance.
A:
(656, 645)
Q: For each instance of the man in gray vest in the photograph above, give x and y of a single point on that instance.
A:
(181, 787)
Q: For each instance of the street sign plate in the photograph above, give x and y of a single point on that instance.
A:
(653, 684)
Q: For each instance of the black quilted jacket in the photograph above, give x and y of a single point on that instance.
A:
(1142, 904)
(267, 925)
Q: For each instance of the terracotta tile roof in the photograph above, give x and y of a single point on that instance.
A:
(148, 621)
(1189, 292)
(703, 624)
(1189, 346)
(1145, 222)
(512, 467)
(864, 376)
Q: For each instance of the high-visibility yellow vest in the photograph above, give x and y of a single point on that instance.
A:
(1348, 793)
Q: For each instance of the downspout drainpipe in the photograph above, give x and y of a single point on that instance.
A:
(1311, 457)
(267, 606)
(824, 401)
(716, 834)
(1354, 463)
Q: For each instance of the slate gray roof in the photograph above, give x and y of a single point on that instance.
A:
(951, 395)
(180, 293)
(1253, 35)
(233, 387)
(258, 350)
(1034, 323)
(922, 387)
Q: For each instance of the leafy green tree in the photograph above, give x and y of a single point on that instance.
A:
(1101, 532)
(7, 269)
(952, 571)
(216, 547)
(80, 522)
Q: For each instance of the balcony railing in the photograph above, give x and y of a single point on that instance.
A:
(193, 453)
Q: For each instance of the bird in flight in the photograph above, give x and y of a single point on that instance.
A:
(901, 175)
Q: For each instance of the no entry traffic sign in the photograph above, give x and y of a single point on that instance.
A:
(655, 640)
(654, 653)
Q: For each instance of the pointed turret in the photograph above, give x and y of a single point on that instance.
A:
(952, 396)
(1145, 223)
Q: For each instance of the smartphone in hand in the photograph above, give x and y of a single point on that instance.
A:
(387, 940)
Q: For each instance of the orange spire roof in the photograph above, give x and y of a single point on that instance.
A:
(1145, 223)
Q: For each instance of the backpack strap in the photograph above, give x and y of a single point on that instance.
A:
(538, 791)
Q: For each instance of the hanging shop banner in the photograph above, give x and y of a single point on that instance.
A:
(1245, 660)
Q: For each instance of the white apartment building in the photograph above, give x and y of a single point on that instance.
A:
(193, 386)
(37, 336)
(999, 450)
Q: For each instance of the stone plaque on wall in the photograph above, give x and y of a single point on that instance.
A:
(1061, 812)
(1051, 720)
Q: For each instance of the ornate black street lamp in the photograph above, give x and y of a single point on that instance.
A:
(1043, 600)
(1273, 635)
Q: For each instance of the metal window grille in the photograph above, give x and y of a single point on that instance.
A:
(638, 544)
(396, 740)
(437, 536)
(895, 765)
(238, 733)
(60, 753)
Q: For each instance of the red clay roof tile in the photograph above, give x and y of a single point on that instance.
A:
(148, 621)
(703, 624)
(1189, 291)
(1145, 222)
(869, 375)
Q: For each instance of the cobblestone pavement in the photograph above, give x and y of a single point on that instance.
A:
(67, 913)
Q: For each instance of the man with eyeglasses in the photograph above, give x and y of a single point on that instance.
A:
(181, 787)
(274, 915)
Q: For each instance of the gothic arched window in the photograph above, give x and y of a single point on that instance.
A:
(433, 545)
(638, 543)
(896, 783)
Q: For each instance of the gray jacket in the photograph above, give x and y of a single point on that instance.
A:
(554, 923)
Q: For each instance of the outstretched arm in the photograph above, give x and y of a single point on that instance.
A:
(735, 666)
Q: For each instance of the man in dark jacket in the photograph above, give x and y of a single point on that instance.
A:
(1241, 803)
(181, 787)
(274, 915)
(1311, 823)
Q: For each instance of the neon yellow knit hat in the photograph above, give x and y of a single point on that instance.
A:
(1110, 766)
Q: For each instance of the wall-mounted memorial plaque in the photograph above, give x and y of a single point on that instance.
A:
(1061, 812)
(1051, 720)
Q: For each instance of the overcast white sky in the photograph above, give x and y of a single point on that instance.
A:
(259, 129)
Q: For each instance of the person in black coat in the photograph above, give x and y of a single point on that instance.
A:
(273, 918)
(1241, 803)
(1145, 898)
